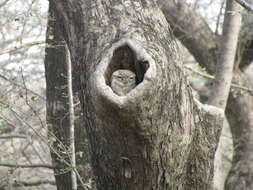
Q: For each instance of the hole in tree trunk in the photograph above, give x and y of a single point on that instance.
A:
(125, 58)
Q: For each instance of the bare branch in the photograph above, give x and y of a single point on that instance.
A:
(27, 102)
(19, 85)
(193, 32)
(205, 75)
(246, 5)
(13, 136)
(33, 182)
(22, 47)
(219, 17)
(27, 166)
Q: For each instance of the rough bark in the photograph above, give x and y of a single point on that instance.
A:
(177, 14)
(241, 122)
(155, 137)
(57, 108)
(56, 94)
(245, 45)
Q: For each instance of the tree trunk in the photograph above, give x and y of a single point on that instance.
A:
(241, 124)
(202, 43)
(57, 109)
(157, 136)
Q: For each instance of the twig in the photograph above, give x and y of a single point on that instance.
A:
(21, 86)
(13, 136)
(219, 17)
(212, 78)
(27, 102)
(85, 186)
(33, 182)
(27, 166)
(22, 47)
(246, 5)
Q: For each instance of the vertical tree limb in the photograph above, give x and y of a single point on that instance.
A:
(71, 119)
(224, 68)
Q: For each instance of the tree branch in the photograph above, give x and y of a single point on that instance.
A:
(224, 70)
(71, 118)
(205, 75)
(18, 183)
(13, 136)
(27, 166)
(193, 32)
(22, 47)
(21, 86)
(246, 5)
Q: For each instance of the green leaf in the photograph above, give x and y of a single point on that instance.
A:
(4, 105)
(33, 98)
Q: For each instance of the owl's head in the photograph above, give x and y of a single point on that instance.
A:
(124, 77)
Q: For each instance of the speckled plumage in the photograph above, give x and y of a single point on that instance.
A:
(123, 81)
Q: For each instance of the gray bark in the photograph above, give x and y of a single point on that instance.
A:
(228, 43)
(58, 109)
(192, 30)
(71, 120)
(57, 101)
(241, 123)
(157, 136)
(239, 107)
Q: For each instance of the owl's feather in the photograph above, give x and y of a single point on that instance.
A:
(123, 81)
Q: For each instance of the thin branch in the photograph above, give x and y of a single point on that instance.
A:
(13, 136)
(21, 86)
(27, 102)
(85, 186)
(219, 17)
(246, 5)
(27, 166)
(18, 183)
(212, 78)
(22, 47)
(31, 56)
(71, 118)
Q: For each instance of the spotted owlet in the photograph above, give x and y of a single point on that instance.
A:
(123, 81)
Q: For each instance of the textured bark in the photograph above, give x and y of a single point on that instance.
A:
(56, 94)
(245, 45)
(155, 137)
(57, 108)
(241, 122)
(177, 15)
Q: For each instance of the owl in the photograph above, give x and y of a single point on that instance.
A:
(123, 81)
